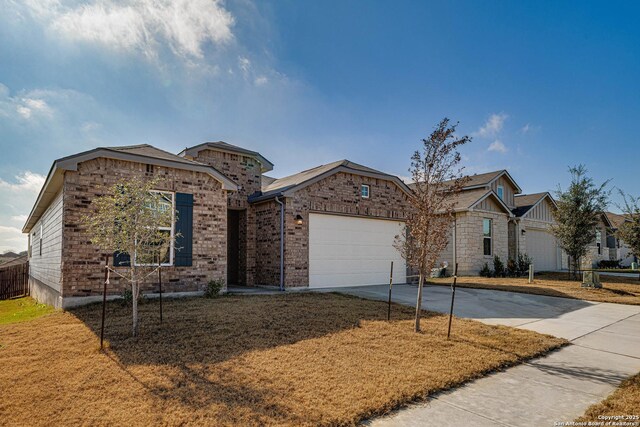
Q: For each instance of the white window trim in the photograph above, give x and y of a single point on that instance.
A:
(170, 229)
(362, 186)
(500, 196)
(490, 237)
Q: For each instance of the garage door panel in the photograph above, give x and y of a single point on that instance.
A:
(351, 251)
(542, 247)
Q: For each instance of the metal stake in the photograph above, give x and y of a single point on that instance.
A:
(104, 299)
(390, 286)
(160, 284)
(453, 297)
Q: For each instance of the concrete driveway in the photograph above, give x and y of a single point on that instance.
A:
(559, 387)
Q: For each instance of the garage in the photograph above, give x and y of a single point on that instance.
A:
(352, 251)
(542, 247)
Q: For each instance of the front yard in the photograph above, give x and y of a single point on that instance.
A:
(294, 359)
(620, 290)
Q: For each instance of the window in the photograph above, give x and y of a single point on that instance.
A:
(364, 191)
(486, 236)
(41, 229)
(164, 202)
(598, 241)
(501, 192)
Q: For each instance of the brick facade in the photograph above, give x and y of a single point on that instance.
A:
(83, 264)
(246, 172)
(339, 194)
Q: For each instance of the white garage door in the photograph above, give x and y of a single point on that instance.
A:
(542, 247)
(349, 251)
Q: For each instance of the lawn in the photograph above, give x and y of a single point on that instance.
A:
(21, 309)
(620, 290)
(624, 401)
(293, 359)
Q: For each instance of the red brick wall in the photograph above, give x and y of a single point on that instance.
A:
(244, 171)
(339, 193)
(83, 263)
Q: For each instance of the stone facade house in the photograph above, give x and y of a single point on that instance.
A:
(618, 249)
(493, 218)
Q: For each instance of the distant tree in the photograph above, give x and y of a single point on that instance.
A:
(579, 211)
(131, 219)
(629, 231)
(437, 180)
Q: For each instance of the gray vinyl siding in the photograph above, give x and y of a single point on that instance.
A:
(509, 190)
(47, 267)
(542, 212)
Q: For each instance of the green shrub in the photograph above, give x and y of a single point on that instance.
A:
(498, 267)
(485, 271)
(524, 261)
(213, 288)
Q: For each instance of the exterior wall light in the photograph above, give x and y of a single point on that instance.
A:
(299, 219)
(523, 232)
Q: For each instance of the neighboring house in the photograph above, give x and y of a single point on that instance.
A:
(493, 219)
(531, 233)
(339, 222)
(618, 249)
(599, 250)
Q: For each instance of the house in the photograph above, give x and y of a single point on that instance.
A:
(618, 249)
(493, 218)
(65, 269)
(333, 225)
(531, 232)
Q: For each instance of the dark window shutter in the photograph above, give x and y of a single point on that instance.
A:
(184, 226)
(121, 259)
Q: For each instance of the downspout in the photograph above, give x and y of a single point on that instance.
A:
(281, 243)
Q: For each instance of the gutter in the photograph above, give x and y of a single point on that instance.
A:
(281, 242)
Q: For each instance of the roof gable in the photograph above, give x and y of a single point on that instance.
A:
(143, 153)
(265, 164)
(526, 202)
(290, 184)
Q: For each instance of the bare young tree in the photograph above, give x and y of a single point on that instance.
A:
(133, 219)
(578, 213)
(629, 231)
(437, 179)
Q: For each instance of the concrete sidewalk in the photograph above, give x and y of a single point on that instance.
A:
(558, 387)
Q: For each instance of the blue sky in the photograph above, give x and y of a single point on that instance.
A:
(539, 85)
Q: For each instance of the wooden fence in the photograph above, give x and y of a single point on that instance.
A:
(14, 281)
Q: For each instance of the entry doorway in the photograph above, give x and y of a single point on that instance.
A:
(233, 247)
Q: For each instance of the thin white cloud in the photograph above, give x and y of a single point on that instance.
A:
(261, 80)
(139, 26)
(526, 128)
(26, 181)
(21, 191)
(12, 239)
(492, 126)
(498, 146)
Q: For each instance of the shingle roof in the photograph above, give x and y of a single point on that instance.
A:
(147, 150)
(291, 182)
(481, 178)
(616, 220)
(143, 153)
(467, 198)
(524, 202)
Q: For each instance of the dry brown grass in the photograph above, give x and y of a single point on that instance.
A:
(619, 290)
(293, 359)
(624, 401)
